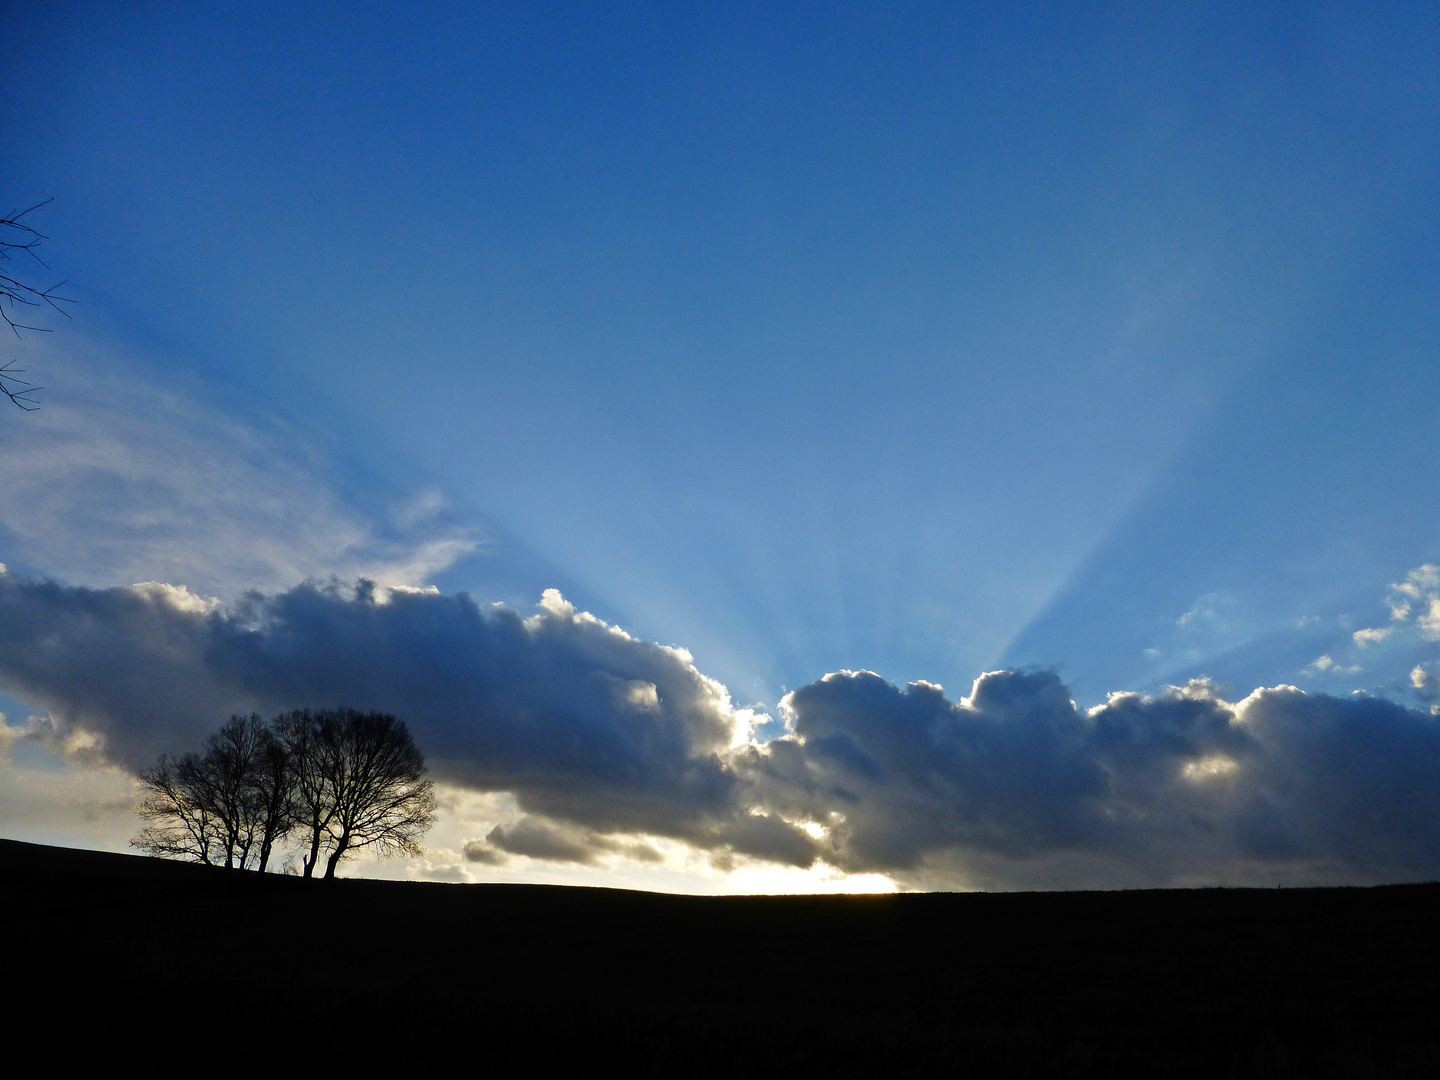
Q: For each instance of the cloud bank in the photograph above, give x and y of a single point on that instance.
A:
(609, 744)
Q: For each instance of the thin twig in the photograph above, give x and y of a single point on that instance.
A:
(13, 291)
(20, 397)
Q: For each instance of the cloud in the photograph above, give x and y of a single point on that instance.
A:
(1179, 786)
(1210, 611)
(90, 803)
(540, 839)
(481, 851)
(611, 747)
(1421, 588)
(1326, 665)
(537, 838)
(1429, 623)
(134, 480)
(581, 721)
(1397, 645)
(1425, 683)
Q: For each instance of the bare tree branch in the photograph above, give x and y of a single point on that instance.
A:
(18, 390)
(181, 824)
(18, 236)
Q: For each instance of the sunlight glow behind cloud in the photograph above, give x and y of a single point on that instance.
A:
(613, 752)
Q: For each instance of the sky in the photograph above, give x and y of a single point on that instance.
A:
(755, 447)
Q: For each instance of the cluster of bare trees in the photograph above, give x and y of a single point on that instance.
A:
(330, 781)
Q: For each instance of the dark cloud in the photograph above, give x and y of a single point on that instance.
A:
(604, 739)
(1146, 789)
(480, 851)
(582, 722)
(128, 664)
(541, 839)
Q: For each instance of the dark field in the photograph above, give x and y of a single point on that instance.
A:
(133, 958)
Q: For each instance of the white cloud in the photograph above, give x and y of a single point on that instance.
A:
(1421, 586)
(1418, 595)
(1206, 609)
(1425, 682)
(177, 596)
(1327, 665)
(1429, 623)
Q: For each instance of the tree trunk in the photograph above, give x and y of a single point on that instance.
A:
(335, 856)
(314, 855)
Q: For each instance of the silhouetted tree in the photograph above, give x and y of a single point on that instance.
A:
(19, 236)
(227, 775)
(308, 737)
(179, 812)
(375, 775)
(274, 788)
(227, 805)
(346, 780)
(246, 769)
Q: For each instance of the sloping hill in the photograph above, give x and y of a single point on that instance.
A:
(1315, 982)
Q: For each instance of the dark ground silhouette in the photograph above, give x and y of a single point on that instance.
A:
(136, 955)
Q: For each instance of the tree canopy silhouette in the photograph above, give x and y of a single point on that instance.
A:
(342, 780)
(228, 804)
(360, 782)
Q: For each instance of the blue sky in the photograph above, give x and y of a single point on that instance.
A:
(926, 340)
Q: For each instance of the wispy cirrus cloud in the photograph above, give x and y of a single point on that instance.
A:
(127, 478)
